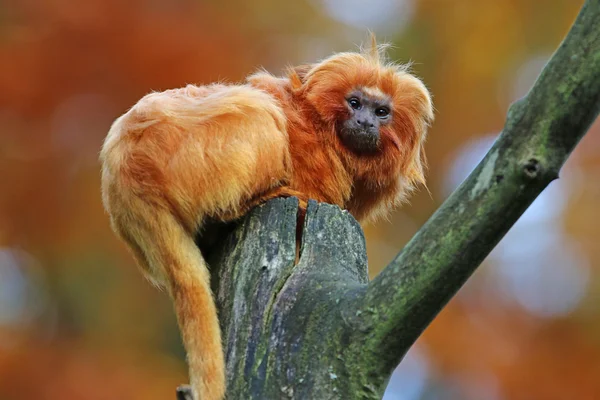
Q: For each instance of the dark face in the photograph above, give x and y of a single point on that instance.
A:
(368, 110)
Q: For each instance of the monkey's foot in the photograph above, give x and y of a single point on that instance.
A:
(184, 392)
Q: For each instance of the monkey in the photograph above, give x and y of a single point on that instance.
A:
(348, 130)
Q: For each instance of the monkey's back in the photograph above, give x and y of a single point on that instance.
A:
(197, 151)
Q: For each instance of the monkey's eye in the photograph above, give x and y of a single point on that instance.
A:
(382, 112)
(354, 103)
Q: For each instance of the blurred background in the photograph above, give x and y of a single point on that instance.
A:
(77, 321)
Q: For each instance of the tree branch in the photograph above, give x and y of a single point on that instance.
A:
(541, 131)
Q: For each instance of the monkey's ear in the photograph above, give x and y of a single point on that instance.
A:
(298, 74)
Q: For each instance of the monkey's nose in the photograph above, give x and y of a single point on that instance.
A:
(365, 123)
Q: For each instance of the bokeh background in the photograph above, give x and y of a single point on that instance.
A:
(77, 321)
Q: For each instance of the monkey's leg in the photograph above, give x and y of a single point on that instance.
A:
(283, 191)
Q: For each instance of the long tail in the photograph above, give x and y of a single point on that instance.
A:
(174, 159)
(171, 256)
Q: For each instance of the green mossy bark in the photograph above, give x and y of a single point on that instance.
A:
(318, 329)
(541, 131)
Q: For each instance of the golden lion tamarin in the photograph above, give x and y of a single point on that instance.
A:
(348, 130)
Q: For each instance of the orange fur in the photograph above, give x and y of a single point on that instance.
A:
(182, 156)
